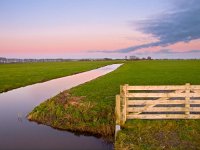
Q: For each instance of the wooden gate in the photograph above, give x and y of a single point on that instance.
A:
(158, 102)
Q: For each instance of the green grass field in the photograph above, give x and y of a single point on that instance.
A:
(18, 75)
(90, 107)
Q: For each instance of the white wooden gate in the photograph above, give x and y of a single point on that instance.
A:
(158, 102)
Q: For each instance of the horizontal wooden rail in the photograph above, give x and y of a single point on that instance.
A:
(164, 102)
(158, 102)
(168, 87)
(164, 116)
(163, 109)
(168, 95)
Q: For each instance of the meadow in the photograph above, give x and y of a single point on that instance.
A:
(21, 74)
(89, 108)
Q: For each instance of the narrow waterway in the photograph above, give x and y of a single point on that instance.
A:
(16, 132)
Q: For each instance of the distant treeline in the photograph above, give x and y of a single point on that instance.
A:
(4, 60)
(17, 60)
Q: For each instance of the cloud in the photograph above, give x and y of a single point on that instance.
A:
(168, 51)
(181, 24)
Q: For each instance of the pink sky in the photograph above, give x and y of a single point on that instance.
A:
(69, 29)
(76, 42)
(68, 40)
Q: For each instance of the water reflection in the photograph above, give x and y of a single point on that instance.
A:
(16, 132)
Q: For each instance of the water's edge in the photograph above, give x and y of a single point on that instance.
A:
(85, 133)
(24, 134)
(46, 80)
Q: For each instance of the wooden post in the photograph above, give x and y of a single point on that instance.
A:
(124, 103)
(117, 114)
(117, 109)
(187, 100)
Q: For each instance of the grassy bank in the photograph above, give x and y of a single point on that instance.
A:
(159, 134)
(90, 107)
(18, 75)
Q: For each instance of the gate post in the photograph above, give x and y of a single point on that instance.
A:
(117, 115)
(187, 100)
(123, 93)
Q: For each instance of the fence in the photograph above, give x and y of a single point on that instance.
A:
(158, 102)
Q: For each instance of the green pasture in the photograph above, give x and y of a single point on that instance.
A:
(22, 74)
(89, 108)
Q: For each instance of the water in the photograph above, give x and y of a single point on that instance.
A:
(16, 132)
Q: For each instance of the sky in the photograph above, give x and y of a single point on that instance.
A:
(99, 28)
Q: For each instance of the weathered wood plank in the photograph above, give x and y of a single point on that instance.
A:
(126, 99)
(163, 116)
(169, 95)
(157, 102)
(162, 109)
(158, 109)
(123, 114)
(172, 87)
(165, 87)
(195, 87)
(196, 91)
(150, 105)
(187, 99)
(124, 102)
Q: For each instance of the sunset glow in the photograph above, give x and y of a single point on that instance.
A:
(83, 29)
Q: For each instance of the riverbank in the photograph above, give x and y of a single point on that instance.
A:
(22, 74)
(77, 114)
(90, 107)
